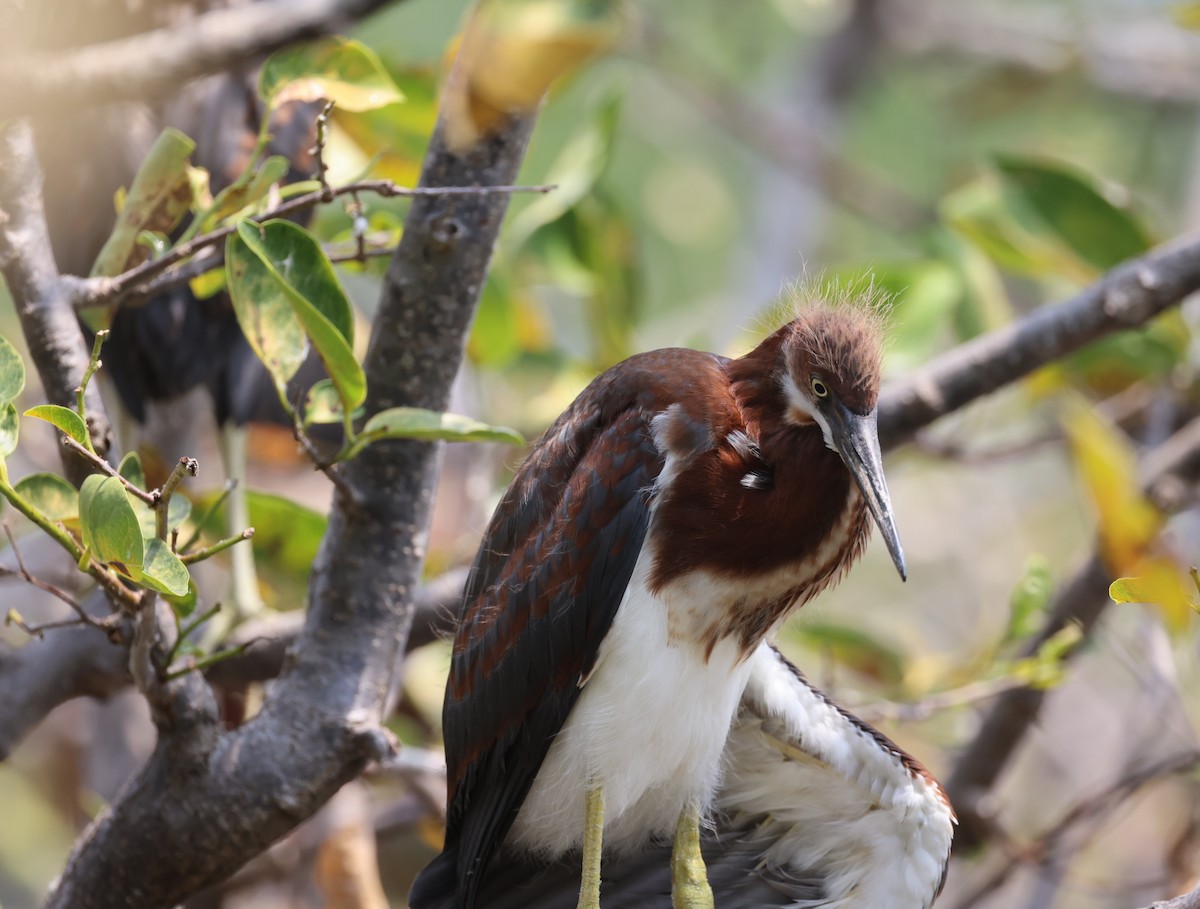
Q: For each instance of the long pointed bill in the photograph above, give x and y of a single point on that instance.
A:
(857, 440)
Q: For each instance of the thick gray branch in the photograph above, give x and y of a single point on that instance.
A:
(1128, 296)
(42, 301)
(207, 801)
(1189, 900)
(153, 64)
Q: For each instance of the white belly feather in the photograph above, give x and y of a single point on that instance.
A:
(649, 727)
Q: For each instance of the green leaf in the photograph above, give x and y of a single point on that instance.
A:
(110, 525)
(429, 425)
(286, 538)
(265, 313)
(322, 404)
(296, 269)
(9, 430)
(50, 494)
(63, 418)
(131, 469)
(580, 164)
(162, 570)
(159, 197)
(184, 605)
(238, 195)
(12, 372)
(1029, 599)
(178, 511)
(346, 72)
(1087, 217)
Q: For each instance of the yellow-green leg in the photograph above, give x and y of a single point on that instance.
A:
(593, 845)
(689, 878)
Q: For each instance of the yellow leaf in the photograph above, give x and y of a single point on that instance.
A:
(1128, 522)
(513, 51)
(1186, 15)
(1158, 582)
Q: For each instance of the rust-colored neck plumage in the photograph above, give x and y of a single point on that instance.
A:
(771, 511)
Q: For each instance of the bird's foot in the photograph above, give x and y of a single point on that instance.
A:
(689, 877)
(593, 844)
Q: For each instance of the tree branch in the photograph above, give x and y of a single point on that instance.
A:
(1189, 900)
(153, 64)
(1129, 295)
(208, 800)
(42, 302)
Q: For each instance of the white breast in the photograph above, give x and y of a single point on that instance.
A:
(649, 727)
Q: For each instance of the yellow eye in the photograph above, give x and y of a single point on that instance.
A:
(819, 388)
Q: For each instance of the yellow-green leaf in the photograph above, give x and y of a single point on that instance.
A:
(1127, 522)
(64, 418)
(513, 51)
(50, 494)
(296, 270)
(322, 405)
(429, 425)
(12, 372)
(110, 526)
(9, 430)
(345, 72)
(162, 570)
(160, 196)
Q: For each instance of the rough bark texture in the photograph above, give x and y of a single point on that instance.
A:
(55, 341)
(207, 801)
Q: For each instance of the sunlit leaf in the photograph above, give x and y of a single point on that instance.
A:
(131, 469)
(1160, 583)
(1186, 15)
(63, 418)
(208, 285)
(160, 196)
(265, 313)
(429, 425)
(513, 51)
(296, 270)
(178, 511)
(50, 494)
(335, 69)
(185, 604)
(235, 197)
(322, 405)
(162, 570)
(9, 430)
(1007, 232)
(12, 372)
(1029, 599)
(573, 174)
(1127, 522)
(286, 534)
(110, 526)
(1080, 212)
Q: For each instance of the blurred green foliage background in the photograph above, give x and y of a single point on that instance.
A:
(974, 160)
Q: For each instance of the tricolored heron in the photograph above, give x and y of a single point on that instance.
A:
(680, 509)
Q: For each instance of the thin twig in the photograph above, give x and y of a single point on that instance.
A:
(209, 551)
(112, 291)
(193, 665)
(331, 470)
(24, 573)
(104, 467)
(81, 391)
(318, 152)
(187, 467)
(919, 711)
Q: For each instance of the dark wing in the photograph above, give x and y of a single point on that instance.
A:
(549, 577)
